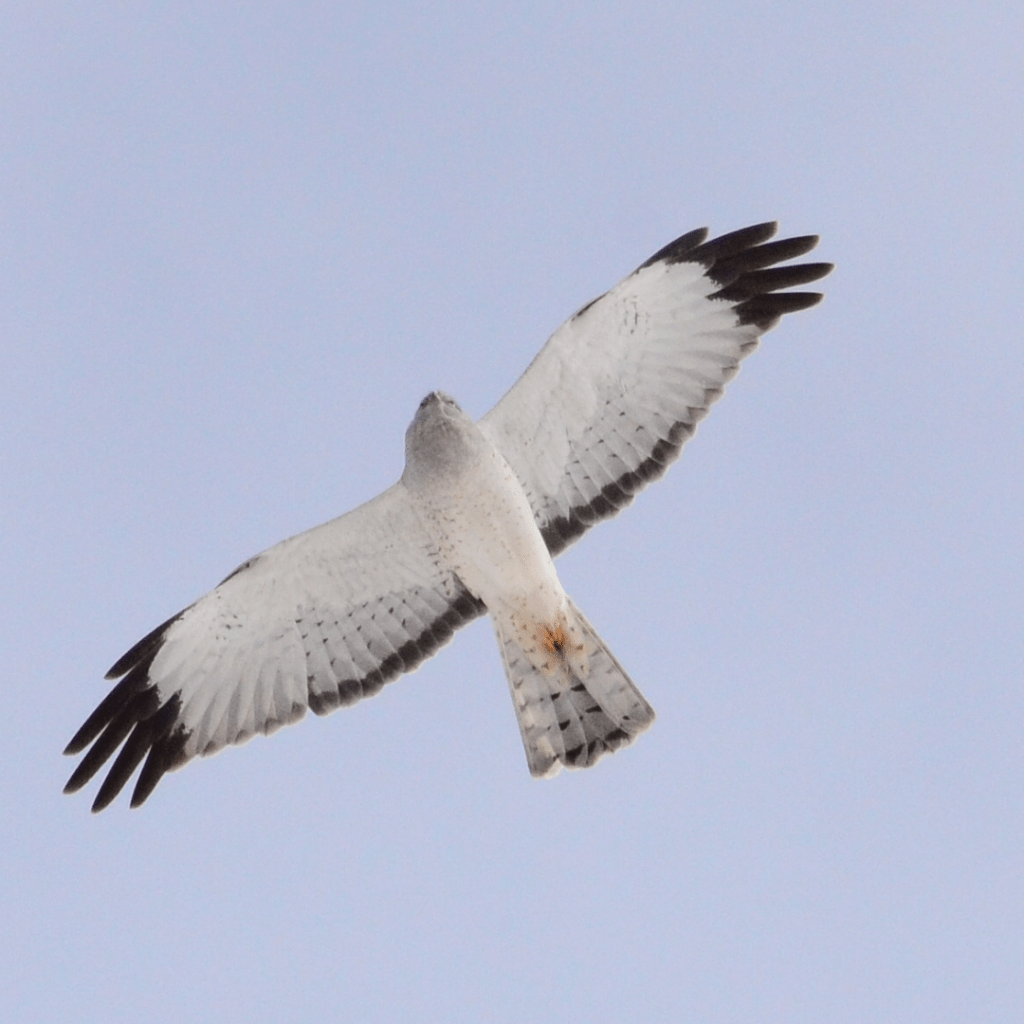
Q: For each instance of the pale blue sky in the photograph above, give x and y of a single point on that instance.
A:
(238, 243)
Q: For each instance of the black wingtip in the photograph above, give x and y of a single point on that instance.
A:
(131, 714)
(759, 282)
(108, 709)
(743, 264)
(735, 252)
(765, 311)
(166, 753)
(102, 802)
(156, 733)
(73, 785)
(732, 243)
(678, 250)
(146, 646)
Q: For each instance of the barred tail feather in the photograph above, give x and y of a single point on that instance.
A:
(568, 720)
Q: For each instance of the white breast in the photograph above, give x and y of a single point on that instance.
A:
(475, 510)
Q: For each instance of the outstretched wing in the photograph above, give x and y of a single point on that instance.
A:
(320, 621)
(608, 403)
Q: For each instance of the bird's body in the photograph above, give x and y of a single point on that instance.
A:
(475, 510)
(329, 616)
(478, 516)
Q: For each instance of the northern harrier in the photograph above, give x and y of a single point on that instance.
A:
(328, 617)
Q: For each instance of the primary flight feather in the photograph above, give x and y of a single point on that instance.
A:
(328, 617)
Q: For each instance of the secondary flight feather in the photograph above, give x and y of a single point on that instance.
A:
(328, 617)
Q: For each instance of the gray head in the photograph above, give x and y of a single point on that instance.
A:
(436, 399)
(438, 440)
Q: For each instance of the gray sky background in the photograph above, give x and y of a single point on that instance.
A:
(238, 243)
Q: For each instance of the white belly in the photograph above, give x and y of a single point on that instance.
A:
(485, 530)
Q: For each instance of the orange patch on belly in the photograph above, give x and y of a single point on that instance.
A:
(553, 639)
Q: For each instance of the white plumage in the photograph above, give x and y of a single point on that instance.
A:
(329, 616)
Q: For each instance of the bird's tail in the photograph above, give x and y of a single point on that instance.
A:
(567, 718)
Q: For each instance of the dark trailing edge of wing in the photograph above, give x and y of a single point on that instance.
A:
(742, 263)
(559, 533)
(131, 714)
(464, 608)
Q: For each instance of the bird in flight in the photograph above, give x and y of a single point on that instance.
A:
(328, 617)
